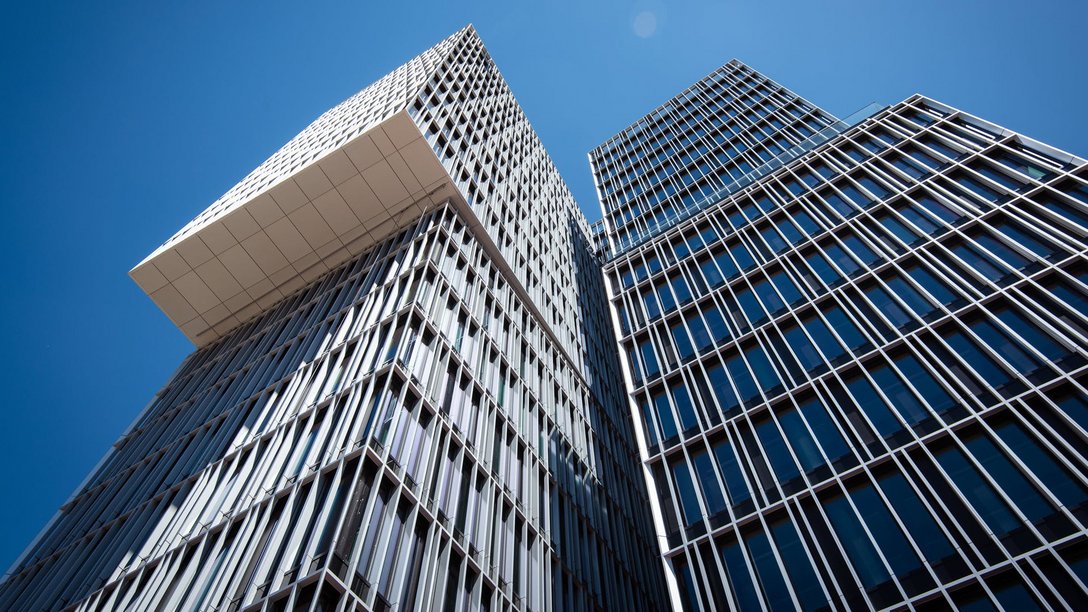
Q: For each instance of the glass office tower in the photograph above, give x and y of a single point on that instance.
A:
(855, 351)
(403, 395)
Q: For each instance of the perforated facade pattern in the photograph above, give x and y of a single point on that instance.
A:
(433, 424)
(859, 381)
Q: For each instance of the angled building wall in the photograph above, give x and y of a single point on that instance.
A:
(858, 367)
(402, 396)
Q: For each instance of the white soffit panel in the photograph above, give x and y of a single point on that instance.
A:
(240, 263)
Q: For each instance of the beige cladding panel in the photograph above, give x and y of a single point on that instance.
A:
(239, 264)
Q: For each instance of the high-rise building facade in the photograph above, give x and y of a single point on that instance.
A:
(403, 395)
(801, 362)
(855, 351)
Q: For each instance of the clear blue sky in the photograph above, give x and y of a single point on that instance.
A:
(122, 120)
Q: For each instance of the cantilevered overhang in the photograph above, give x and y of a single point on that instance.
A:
(240, 261)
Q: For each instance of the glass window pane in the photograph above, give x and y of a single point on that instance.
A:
(734, 479)
(680, 288)
(802, 577)
(777, 453)
(786, 287)
(805, 221)
(746, 387)
(936, 397)
(1005, 346)
(885, 530)
(1011, 593)
(908, 294)
(845, 263)
(773, 239)
(823, 337)
(775, 592)
(1056, 477)
(866, 397)
(632, 361)
(921, 525)
(793, 236)
(1032, 333)
(649, 300)
(682, 341)
(722, 391)
(979, 362)
(823, 269)
(931, 283)
(997, 176)
(646, 348)
(740, 579)
(1026, 497)
(860, 249)
(887, 306)
(838, 203)
(766, 375)
(687, 584)
(799, 343)
(897, 229)
(708, 481)
(651, 429)
(1023, 165)
(844, 327)
(664, 296)
(719, 331)
(940, 147)
(859, 548)
(682, 400)
(937, 209)
(827, 432)
(751, 307)
(801, 440)
(685, 493)
(921, 157)
(873, 187)
(699, 333)
(713, 277)
(916, 217)
(907, 167)
(744, 259)
(726, 265)
(855, 195)
(1012, 258)
(664, 415)
(993, 510)
(767, 295)
(908, 406)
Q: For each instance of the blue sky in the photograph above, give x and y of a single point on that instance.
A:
(121, 121)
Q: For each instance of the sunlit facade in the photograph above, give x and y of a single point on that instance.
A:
(855, 351)
(801, 362)
(403, 395)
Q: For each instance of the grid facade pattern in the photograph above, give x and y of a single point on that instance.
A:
(700, 142)
(431, 425)
(475, 126)
(859, 382)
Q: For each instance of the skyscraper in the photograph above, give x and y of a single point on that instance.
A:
(801, 362)
(401, 396)
(855, 350)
